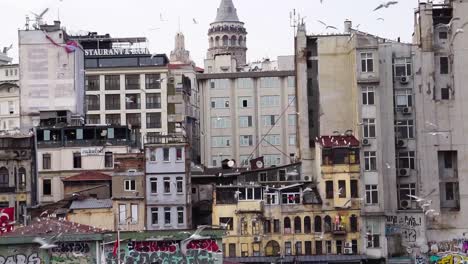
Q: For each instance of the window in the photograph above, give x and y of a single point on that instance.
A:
(372, 194)
(318, 247)
(404, 190)
(180, 215)
(228, 221)
(112, 82)
(112, 101)
(292, 120)
(404, 129)
(402, 67)
(245, 83)
(47, 187)
(267, 226)
(328, 245)
(367, 62)
(122, 214)
(232, 250)
(270, 100)
(269, 120)
(444, 65)
(298, 248)
(354, 246)
(132, 82)
(220, 102)
(292, 100)
(244, 250)
(46, 161)
(445, 93)
(245, 102)
(290, 198)
(153, 120)
(21, 178)
(154, 216)
(220, 142)
(307, 225)
(276, 226)
(451, 191)
(342, 189)
(167, 215)
(153, 81)
(153, 100)
(180, 184)
(108, 160)
(246, 140)
(271, 198)
(132, 101)
(297, 225)
(134, 120)
(167, 185)
(443, 35)
(179, 154)
(134, 211)
(373, 234)
(448, 157)
(368, 96)
(353, 224)
(219, 84)
(271, 160)
(370, 161)
(130, 185)
(154, 185)
(269, 140)
(287, 248)
(327, 224)
(93, 102)
(406, 160)
(270, 82)
(244, 227)
(339, 247)
(317, 224)
(403, 98)
(292, 140)
(220, 122)
(354, 189)
(245, 121)
(77, 160)
(291, 81)
(368, 127)
(329, 189)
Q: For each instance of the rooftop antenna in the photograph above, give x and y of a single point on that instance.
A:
(179, 23)
(293, 20)
(26, 25)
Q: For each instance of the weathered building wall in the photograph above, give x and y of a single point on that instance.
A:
(100, 218)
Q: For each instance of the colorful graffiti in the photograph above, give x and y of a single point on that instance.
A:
(21, 259)
(409, 226)
(72, 253)
(450, 258)
(199, 252)
(449, 252)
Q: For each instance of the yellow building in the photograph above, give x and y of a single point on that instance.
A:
(92, 212)
(279, 213)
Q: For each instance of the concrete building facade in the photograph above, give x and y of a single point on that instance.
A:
(9, 97)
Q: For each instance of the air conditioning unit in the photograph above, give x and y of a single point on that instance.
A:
(404, 172)
(348, 245)
(407, 110)
(401, 143)
(405, 204)
(403, 80)
(348, 251)
(366, 142)
(257, 238)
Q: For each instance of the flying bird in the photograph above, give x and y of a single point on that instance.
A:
(128, 100)
(161, 18)
(430, 211)
(6, 49)
(195, 21)
(386, 5)
(449, 24)
(327, 26)
(416, 198)
(194, 236)
(381, 19)
(44, 244)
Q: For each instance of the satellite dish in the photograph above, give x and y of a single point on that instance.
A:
(231, 163)
(259, 164)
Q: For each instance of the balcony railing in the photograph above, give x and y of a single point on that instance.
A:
(338, 230)
(166, 139)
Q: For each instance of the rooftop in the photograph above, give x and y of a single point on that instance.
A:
(338, 141)
(89, 176)
(227, 12)
(50, 226)
(91, 204)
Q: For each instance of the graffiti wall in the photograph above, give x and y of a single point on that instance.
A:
(411, 227)
(198, 252)
(72, 253)
(449, 252)
(20, 259)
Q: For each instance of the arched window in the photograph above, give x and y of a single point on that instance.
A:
(241, 41)
(297, 225)
(217, 41)
(22, 177)
(272, 249)
(307, 225)
(353, 223)
(287, 225)
(225, 40)
(211, 42)
(4, 177)
(318, 224)
(328, 223)
(233, 41)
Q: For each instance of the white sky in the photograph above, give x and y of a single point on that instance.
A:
(267, 21)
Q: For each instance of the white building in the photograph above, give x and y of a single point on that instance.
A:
(51, 73)
(168, 187)
(9, 97)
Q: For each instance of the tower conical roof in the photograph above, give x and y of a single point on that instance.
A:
(227, 12)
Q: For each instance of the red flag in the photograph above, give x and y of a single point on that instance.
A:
(7, 219)
(116, 246)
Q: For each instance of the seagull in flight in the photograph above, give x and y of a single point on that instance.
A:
(386, 5)
(194, 236)
(381, 19)
(416, 198)
(161, 17)
(449, 25)
(195, 21)
(44, 244)
(326, 26)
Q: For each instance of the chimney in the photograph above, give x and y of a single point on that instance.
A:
(348, 24)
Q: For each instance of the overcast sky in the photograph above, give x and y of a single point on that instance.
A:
(267, 21)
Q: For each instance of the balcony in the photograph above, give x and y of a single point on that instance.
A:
(166, 139)
(249, 207)
(338, 230)
(175, 118)
(341, 168)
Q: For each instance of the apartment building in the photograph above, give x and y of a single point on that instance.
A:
(9, 97)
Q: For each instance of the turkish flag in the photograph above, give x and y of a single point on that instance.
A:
(7, 219)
